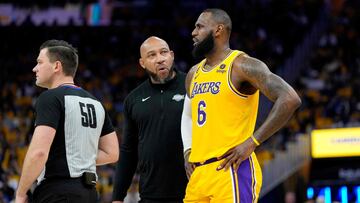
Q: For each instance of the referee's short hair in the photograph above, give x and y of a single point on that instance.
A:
(60, 50)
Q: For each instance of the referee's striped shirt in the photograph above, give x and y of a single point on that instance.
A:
(79, 119)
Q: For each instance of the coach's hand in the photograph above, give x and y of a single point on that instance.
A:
(237, 154)
(189, 167)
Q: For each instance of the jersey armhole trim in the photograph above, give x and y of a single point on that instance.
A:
(232, 87)
(193, 76)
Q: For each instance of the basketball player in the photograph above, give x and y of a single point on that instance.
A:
(220, 113)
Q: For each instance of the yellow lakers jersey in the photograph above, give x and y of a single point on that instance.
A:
(222, 116)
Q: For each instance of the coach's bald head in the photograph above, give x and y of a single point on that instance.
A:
(150, 42)
(157, 59)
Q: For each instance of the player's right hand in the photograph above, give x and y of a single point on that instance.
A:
(117, 201)
(189, 167)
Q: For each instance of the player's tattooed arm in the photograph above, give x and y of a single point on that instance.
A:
(285, 99)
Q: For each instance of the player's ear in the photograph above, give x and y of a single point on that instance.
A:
(219, 29)
(142, 63)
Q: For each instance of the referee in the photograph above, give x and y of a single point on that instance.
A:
(72, 135)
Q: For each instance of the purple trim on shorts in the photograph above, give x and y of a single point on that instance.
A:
(245, 182)
(253, 177)
(235, 189)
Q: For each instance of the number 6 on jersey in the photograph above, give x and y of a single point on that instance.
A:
(201, 119)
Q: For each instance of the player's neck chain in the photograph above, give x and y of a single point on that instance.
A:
(208, 67)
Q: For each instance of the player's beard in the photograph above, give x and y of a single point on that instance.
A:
(156, 78)
(203, 47)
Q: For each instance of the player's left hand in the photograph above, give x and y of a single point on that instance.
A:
(236, 155)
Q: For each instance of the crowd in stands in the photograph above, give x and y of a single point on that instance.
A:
(268, 30)
(329, 86)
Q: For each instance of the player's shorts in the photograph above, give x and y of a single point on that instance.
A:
(207, 184)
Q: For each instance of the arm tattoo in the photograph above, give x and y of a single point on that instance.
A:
(260, 76)
(277, 90)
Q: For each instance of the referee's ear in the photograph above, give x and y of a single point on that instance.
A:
(58, 66)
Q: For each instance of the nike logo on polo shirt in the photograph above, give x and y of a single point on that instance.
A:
(144, 99)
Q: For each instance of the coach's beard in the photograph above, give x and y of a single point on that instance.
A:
(203, 47)
(156, 78)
